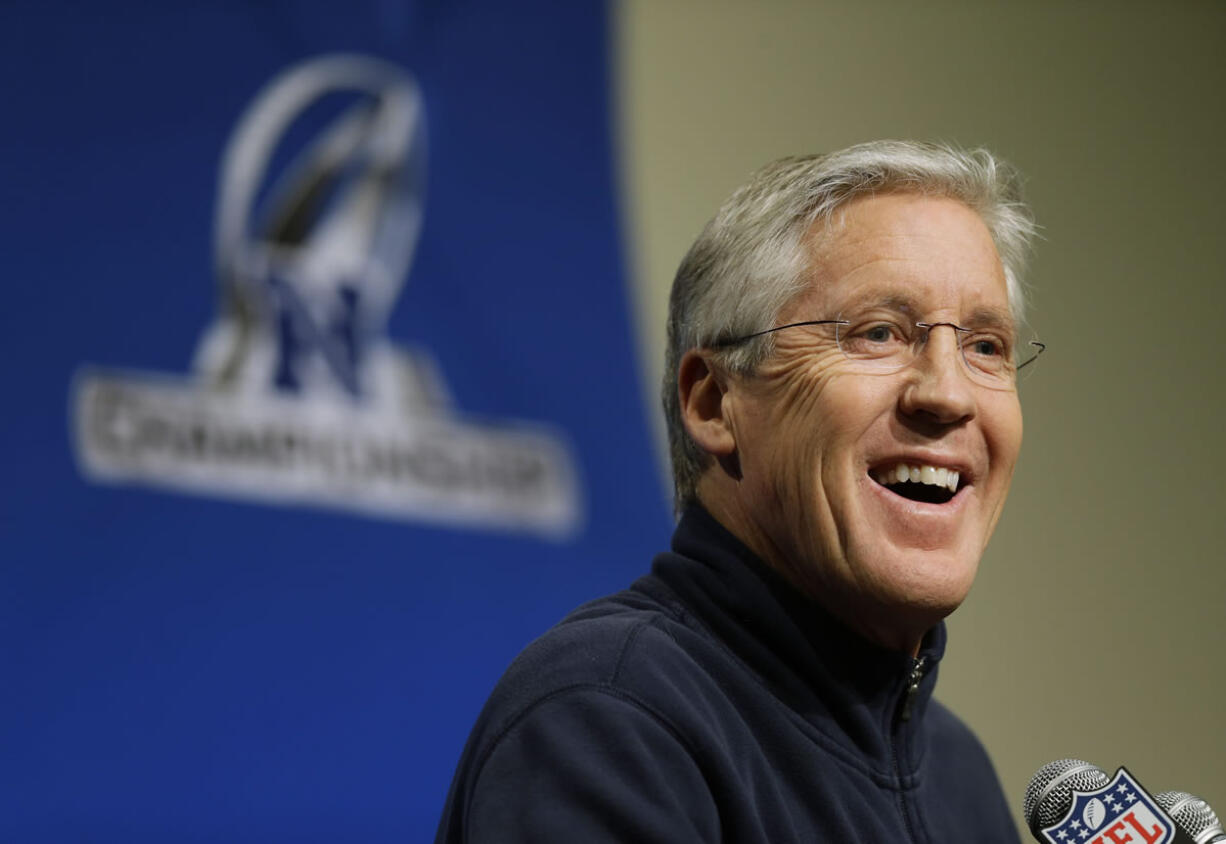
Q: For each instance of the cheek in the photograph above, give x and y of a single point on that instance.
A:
(810, 419)
(783, 464)
(854, 411)
(825, 443)
(1003, 428)
(787, 413)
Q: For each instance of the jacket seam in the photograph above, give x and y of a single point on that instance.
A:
(623, 652)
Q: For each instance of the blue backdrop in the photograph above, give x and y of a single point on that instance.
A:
(322, 402)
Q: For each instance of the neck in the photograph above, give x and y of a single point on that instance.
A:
(898, 628)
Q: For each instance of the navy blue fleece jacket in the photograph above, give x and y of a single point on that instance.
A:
(712, 702)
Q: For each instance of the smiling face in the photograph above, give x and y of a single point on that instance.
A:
(813, 445)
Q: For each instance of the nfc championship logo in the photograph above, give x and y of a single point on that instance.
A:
(298, 396)
(1119, 812)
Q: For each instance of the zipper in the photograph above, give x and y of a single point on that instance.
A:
(904, 714)
(913, 684)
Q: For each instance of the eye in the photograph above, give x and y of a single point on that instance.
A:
(986, 351)
(878, 333)
(987, 348)
(875, 338)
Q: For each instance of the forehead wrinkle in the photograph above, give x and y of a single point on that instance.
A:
(893, 265)
(853, 242)
(878, 295)
(880, 282)
(877, 244)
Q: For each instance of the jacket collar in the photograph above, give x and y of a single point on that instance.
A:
(849, 688)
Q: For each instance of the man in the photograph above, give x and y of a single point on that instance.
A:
(844, 422)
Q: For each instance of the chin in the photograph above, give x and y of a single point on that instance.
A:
(930, 587)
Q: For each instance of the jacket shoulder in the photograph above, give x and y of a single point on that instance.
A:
(575, 743)
(602, 644)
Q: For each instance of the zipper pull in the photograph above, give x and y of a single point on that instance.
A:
(913, 684)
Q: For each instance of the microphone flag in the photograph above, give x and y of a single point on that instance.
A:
(1121, 811)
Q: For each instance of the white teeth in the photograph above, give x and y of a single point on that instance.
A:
(931, 475)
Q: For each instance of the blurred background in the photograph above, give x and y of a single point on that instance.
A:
(334, 335)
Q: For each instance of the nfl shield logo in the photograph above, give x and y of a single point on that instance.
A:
(1121, 811)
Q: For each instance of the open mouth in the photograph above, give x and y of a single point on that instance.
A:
(928, 484)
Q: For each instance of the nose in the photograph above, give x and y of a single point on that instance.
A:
(939, 389)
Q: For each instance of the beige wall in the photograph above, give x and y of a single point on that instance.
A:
(1096, 626)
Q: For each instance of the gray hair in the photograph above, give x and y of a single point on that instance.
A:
(751, 258)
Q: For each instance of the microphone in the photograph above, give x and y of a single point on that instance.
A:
(1070, 801)
(1192, 815)
(1050, 793)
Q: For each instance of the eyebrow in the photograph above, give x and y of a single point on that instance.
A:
(991, 317)
(983, 316)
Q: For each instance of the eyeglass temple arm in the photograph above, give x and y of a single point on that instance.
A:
(1042, 347)
(721, 344)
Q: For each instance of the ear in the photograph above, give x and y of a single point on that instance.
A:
(701, 388)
